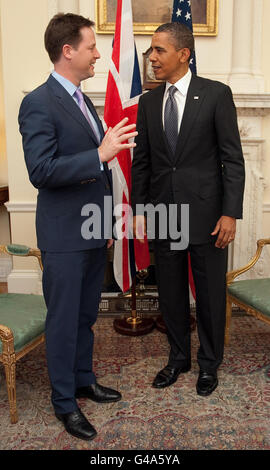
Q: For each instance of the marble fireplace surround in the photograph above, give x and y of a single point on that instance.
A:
(251, 109)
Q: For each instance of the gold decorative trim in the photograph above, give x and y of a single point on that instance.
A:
(36, 342)
(9, 357)
(5, 334)
(210, 28)
(251, 310)
(233, 274)
(231, 299)
(32, 252)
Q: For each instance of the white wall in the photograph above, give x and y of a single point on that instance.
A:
(266, 121)
(5, 262)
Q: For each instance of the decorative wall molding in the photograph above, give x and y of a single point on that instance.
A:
(5, 267)
(24, 281)
(266, 207)
(252, 100)
(21, 206)
(252, 105)
(242, 100)
(97, 97)
(31, 206)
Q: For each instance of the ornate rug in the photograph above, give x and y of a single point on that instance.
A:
(235, 417)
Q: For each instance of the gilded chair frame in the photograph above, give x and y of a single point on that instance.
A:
(233, 300)
(8, 356)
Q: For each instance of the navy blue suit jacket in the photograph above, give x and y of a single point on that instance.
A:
(62, 160)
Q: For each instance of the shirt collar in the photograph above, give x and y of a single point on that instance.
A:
(67, 84)
(182, 84)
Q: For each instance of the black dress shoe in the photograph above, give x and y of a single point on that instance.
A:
(207, 383)
(98, 393)
(77, 425)
(168, 376)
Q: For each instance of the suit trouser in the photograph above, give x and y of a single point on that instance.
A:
(209, 265)
(72, 285)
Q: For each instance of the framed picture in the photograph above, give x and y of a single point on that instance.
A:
(149, 80)
(146, 19)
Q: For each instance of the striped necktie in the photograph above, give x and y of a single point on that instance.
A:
(79, 96)
(171, 118)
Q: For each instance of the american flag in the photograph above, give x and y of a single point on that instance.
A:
(182, 14)
(122, 96)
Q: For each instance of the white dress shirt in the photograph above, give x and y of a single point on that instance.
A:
(180, 95)
(71, 88)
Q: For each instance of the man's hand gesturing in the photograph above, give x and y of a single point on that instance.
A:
(112, 143)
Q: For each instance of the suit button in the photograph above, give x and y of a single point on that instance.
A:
(174, 168)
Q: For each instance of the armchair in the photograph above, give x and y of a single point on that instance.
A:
(252, 295)
(22, 326)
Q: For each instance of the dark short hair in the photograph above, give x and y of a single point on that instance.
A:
(181, 35)
(64, 29)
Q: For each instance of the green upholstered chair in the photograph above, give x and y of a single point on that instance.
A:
(252, 295)
(22, 326)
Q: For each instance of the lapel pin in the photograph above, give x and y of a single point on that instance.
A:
(196, 97)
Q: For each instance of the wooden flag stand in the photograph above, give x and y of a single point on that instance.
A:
(135, 325)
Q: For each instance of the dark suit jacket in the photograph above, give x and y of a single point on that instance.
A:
(207, 169)
(62, 160)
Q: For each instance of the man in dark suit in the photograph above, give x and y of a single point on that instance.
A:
(66, 155)
(189, 152)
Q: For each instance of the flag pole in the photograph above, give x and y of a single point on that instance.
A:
(122, 96)
(134, 325)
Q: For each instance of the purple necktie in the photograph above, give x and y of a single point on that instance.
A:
(79, 96)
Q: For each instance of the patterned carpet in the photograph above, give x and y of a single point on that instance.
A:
(235, 417)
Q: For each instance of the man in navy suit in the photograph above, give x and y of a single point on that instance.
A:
(66, 155)
(189, 153)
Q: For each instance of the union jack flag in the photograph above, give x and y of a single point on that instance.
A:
(122, 96)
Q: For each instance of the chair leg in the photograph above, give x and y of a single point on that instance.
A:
(10, 370)
(228, 319)
(9, 361)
